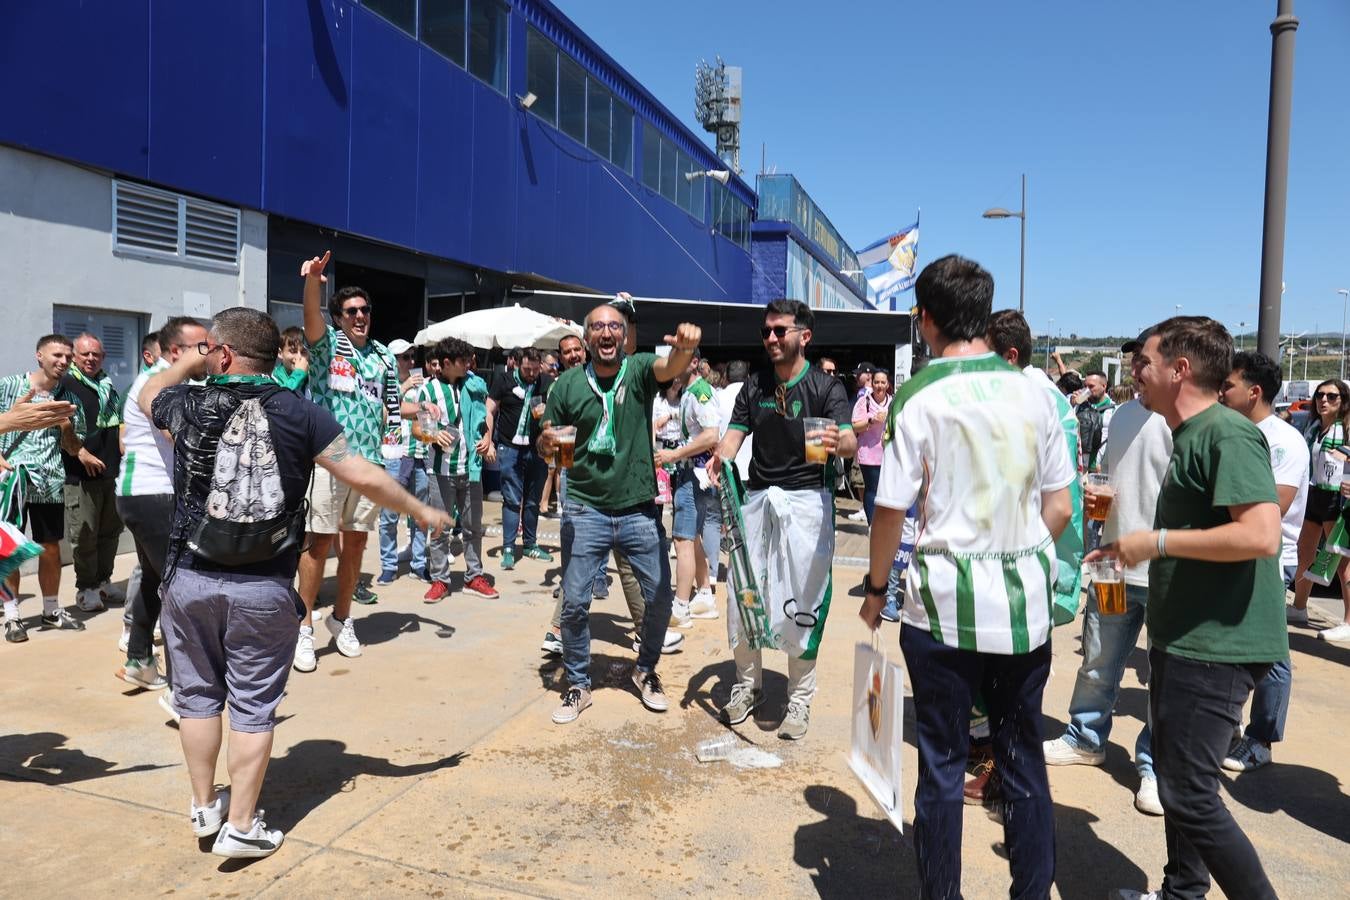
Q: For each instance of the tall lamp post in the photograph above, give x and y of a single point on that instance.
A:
(1049, 332)
(1277, 175)
(999, 212)
(1345, 296)
(1241, 326)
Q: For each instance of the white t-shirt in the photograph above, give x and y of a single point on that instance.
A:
(147, 464)
(726, 402)
(976, 442)
(664, 409)
(698, 410)
(1136, 459)
(1289, 458)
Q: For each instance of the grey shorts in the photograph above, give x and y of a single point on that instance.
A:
(230, 640)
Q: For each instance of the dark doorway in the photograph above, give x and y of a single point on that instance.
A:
(398, 299)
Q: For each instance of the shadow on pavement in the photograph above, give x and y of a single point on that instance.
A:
(710, 688)
(384, 626)
(312, 771)
(1306, 795)
(849, 855)
(1089, 865)
(1308, 644)
(43, 758)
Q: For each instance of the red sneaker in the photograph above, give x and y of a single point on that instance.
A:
(479, 585)
(438, 591)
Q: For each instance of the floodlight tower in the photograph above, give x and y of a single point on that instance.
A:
(717, 103)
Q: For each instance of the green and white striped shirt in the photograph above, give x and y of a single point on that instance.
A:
(440, 461)
(975, 442)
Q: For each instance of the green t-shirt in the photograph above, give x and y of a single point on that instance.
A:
(352, 390)
(1212, 611)
(628, 477)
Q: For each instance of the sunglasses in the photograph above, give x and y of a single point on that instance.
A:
(780, 400)
(354, 311)
(778, 331)
(1329, 396)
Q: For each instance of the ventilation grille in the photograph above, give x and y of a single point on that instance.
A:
(151, 222)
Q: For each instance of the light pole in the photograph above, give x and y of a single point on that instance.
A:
(1345, 296)
(1048, 332)
(1241, 326)
(999, 212)
(1277, 174)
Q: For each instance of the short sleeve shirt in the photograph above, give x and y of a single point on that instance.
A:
(147, 465)
(38, 451)
(698, 410)
(509, 393)
(1289, 462)
(300, 431)
(779, 455)
(628, 477)
(449, 399)
(1230, 612)
(869, 439)
(352, 390)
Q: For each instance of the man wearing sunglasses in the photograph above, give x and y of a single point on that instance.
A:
(789, 497)
(611, 490)
(356, 379)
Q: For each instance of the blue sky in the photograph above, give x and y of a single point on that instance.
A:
(1141, 127)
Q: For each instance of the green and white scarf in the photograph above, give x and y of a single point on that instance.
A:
(522, 435)
(109, 403)
(602, 439)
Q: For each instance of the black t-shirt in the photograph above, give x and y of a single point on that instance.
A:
(778, 455)
(196, 415)
(101, 442)
(510, 398)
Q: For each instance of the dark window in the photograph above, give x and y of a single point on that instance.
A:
(651, 157)
(571, 99)
(699, 188)
(670, 171)
(621, 148)
(683, 186)
(541, 76)
(443, 28)
(597, 118)
(402, 13)
(488, 21)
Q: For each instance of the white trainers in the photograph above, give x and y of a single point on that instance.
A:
(1060, 752)
(669, 644)
(125, 640)
(206, 820)
(859, 516)
(1295, 616)
(344, 634)
(111, 593)
(89, 600)
(703, 606)
(144, 673)
(1146, 798)
(304, 651)
(257, 842)
(1340, 633)
(679, 614)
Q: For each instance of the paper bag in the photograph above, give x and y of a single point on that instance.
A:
(878, 720)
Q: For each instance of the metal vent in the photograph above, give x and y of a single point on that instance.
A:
(210, 231)
(151, 222)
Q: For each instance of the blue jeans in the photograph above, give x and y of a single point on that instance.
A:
(523, 475)
(1107, 642)
(601, 588)
(412, 477)
(871, 479)
(588, 537)
(1270, 699)
(698, 514)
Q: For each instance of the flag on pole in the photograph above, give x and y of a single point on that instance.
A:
(889, 264)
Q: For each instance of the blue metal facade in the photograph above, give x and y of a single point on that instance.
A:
(323, 112)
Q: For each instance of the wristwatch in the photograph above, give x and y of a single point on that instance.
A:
(869, 589)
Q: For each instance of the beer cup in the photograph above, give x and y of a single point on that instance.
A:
(565, 436)
(1097, 496)
(428, 424)
(815, 440)
(1108, 583)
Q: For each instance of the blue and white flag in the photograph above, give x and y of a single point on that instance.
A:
(889, 265)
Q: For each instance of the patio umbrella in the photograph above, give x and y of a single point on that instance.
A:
(501, 326)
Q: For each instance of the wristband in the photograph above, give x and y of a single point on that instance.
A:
(869, 590)
(1162, 543)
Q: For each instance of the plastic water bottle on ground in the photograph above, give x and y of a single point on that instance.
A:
(716, 748)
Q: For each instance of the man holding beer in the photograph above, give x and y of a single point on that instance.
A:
(598, 418)
(799, 417)
(1215, 607)
(979, 446)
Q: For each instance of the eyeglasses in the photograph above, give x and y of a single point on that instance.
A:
(206, 349)
(352, 312)
(778, 331)
(1329, 396)
(600, 327)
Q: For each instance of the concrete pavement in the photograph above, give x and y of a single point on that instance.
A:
(429, 767)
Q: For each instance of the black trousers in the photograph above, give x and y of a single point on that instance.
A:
(148, 518)
(945, 681)
(1196, 707)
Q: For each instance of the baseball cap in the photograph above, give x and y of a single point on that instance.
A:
(1137, 344)
(398, 346)
(864, 367)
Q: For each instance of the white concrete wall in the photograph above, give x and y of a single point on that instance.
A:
(56, 249)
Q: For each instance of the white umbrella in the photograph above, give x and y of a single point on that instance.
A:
(501, 326)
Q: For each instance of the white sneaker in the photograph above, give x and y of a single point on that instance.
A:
(703, 606)
(257, 842)
(144, 673)
(304, 651)
(1060, 752)
(679, 614)
(344, 633)
(206, 820)
(111, 593)
(1146, 798)
(859, 516)
(125, 640)
(158, 636)
(1131, 894)
(1340, 633)
(166, 704)
(669, 644)
(89, 600)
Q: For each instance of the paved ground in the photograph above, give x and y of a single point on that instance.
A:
(429, 767)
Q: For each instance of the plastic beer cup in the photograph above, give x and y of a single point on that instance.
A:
(1097, 496)
(565, 436)
(815, 440)
(1108, 583)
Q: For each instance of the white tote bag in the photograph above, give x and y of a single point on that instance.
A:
(878, 720)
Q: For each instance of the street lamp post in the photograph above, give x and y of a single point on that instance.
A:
(999, 212)
(1048, 332)
(1277, 175)
(1345, 296)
